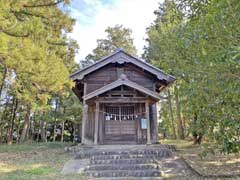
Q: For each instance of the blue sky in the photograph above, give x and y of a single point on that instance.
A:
(94, 16)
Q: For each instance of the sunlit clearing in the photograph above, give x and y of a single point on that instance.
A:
(6, 168)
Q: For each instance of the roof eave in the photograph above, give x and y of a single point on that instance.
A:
(120, 82)
(158, 72)
(97, 62)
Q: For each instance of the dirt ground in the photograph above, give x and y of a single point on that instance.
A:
(217, 165)
(46, 160)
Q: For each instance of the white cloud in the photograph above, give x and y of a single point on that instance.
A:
(134, 14)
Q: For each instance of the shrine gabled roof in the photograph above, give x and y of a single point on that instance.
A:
(122, 81)
(122, 57)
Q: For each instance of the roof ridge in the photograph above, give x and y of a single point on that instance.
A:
(96, 62)
(139, 62)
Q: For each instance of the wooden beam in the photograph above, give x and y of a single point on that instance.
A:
(148, 123)
(124, 101)
(122, 92)
(122, 81)
(96, 123)
(119, 71)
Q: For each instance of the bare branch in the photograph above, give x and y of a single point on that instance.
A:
(33, 14)
(43, 5)
(22, 12)
(14, 35)
(57, 43)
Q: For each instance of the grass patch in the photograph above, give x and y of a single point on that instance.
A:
(205, 162)
(34, 161)
(39, 171)
(26, 147)
(178, 143)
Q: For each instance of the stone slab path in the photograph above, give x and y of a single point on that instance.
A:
(75, 166)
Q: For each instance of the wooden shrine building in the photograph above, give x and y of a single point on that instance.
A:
(119, 95)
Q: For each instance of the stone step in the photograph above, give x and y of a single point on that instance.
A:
(146, 151)
(123, 161)
(124, 173)
(122, 136)
(130, 178)
(119, 142)
(129, 156)
(123, 167)
(161, 153)
(120, 139)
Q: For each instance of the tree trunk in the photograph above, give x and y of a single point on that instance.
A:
(43, 131)
(184, 121)
(31, 130)
(14, 109)
(3, 81)
(171, 114)
(4, 119)
(33, 127)
(1, 134)
(74, 132)
(55, 121)
(180, 123)
(54, 131)
(194, 131)
(63, 123)
(25, 125)
(39, 131)
(197, 137)
(18, 130)
(28, 130)
(79, 132)
(62, 133)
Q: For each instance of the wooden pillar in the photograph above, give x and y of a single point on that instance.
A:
(136, 111)
(101, 125)
(85, 113)
(96, 123)
(84, 119)
(140, 109)
(148, 122)
(155, 123)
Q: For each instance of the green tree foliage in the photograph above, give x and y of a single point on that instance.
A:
(117, 37)
(198, 42)
(30, 33)
(36, 58)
